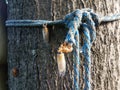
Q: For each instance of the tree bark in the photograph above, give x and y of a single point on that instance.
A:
(35, 60)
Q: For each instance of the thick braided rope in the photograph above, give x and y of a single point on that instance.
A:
(88, 28)
(76, 63)
(86, 52)
(86, 19)
(73, 21)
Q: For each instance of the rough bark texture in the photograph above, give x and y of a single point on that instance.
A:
(36, 60)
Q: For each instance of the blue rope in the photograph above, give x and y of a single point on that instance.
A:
(73, 21)
(76, 63)
(88, 28)
(86, 52)
(109, 18)
(96, 18)
(87, 20)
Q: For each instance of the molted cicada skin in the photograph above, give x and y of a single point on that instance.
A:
(61, 64)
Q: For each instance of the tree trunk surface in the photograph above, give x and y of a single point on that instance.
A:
(32, 63)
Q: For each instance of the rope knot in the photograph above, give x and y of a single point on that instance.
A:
(86, 21)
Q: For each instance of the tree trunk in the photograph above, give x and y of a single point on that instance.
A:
(32, 63)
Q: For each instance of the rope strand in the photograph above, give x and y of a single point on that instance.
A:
(109, 18)
(76, 60)
(86, 53)
(73, 21)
